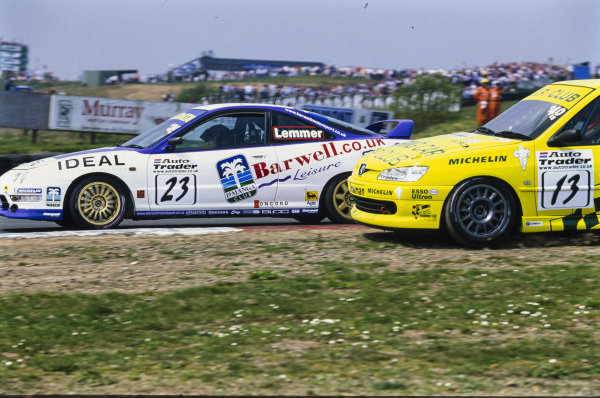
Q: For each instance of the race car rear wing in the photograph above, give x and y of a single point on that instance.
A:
(399, 128)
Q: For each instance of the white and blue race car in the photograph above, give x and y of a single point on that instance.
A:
(210, 161)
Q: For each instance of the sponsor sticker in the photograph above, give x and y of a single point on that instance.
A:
(29, 190)
(53, 196)
(173, 165)
(566, 179)
(423, 193)
(236, 178)
(311, 195)
(534, 223)
(297, 133)
(423, 211)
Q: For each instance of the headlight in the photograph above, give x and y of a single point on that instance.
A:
(26, 198)
(32, 165)
(405, 174)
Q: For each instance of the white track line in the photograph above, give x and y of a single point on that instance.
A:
(130, 231)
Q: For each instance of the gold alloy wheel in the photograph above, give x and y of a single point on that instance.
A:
(343, 201)
(99, 203)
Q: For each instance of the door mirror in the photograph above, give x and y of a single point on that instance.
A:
(173, 142)
(570, 136)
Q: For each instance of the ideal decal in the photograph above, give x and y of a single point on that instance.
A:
(90, 161)
(522, 154)
(236, 178)
(297, 133)
(53, 196)
(566, 179)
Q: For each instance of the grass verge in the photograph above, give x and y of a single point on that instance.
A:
(342, 330)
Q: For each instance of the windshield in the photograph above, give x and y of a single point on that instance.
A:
(151, 137)
(527, 119)
(341, 125)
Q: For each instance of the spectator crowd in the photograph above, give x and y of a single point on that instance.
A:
(515, 75)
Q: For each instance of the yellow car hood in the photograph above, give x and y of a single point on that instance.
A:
(422, 151)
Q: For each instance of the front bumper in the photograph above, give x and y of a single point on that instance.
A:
(396, 206)
(17, 197)
(14, 211)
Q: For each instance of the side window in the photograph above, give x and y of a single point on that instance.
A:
(288, 129)
(226, 131)
(587, 121)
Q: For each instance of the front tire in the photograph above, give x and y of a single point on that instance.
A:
(338, 200)
(480, 212)
(97, 203)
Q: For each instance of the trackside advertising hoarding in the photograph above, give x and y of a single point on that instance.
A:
(108, 115)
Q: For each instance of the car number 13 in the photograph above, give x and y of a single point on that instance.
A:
(175, 189)
(565, 190)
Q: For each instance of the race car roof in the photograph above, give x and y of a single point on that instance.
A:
(591, 83)
(212, 107)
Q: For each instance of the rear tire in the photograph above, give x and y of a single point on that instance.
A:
(338, 200)
(97, 203)
(480, 212)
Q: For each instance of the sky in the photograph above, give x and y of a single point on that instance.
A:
(66, 37)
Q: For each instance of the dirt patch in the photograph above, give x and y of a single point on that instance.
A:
(128, 263)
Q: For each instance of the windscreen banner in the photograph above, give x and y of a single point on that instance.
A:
(108, 115)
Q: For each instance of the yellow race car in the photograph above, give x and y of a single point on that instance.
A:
(531, 167)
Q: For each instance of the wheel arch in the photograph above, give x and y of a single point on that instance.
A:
(328, 184)
(513, 193)
(129, 205)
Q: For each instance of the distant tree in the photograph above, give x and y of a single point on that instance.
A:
(428, 100)
(197, 93)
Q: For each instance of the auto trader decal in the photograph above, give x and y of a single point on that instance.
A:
(166, 165)
(566, 179)
(236, 178)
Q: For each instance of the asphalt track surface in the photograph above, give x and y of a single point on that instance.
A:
(10, 228)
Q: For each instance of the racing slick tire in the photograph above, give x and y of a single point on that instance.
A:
(338, 200)
(67, 221)
(480, 212)
(97, 203)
